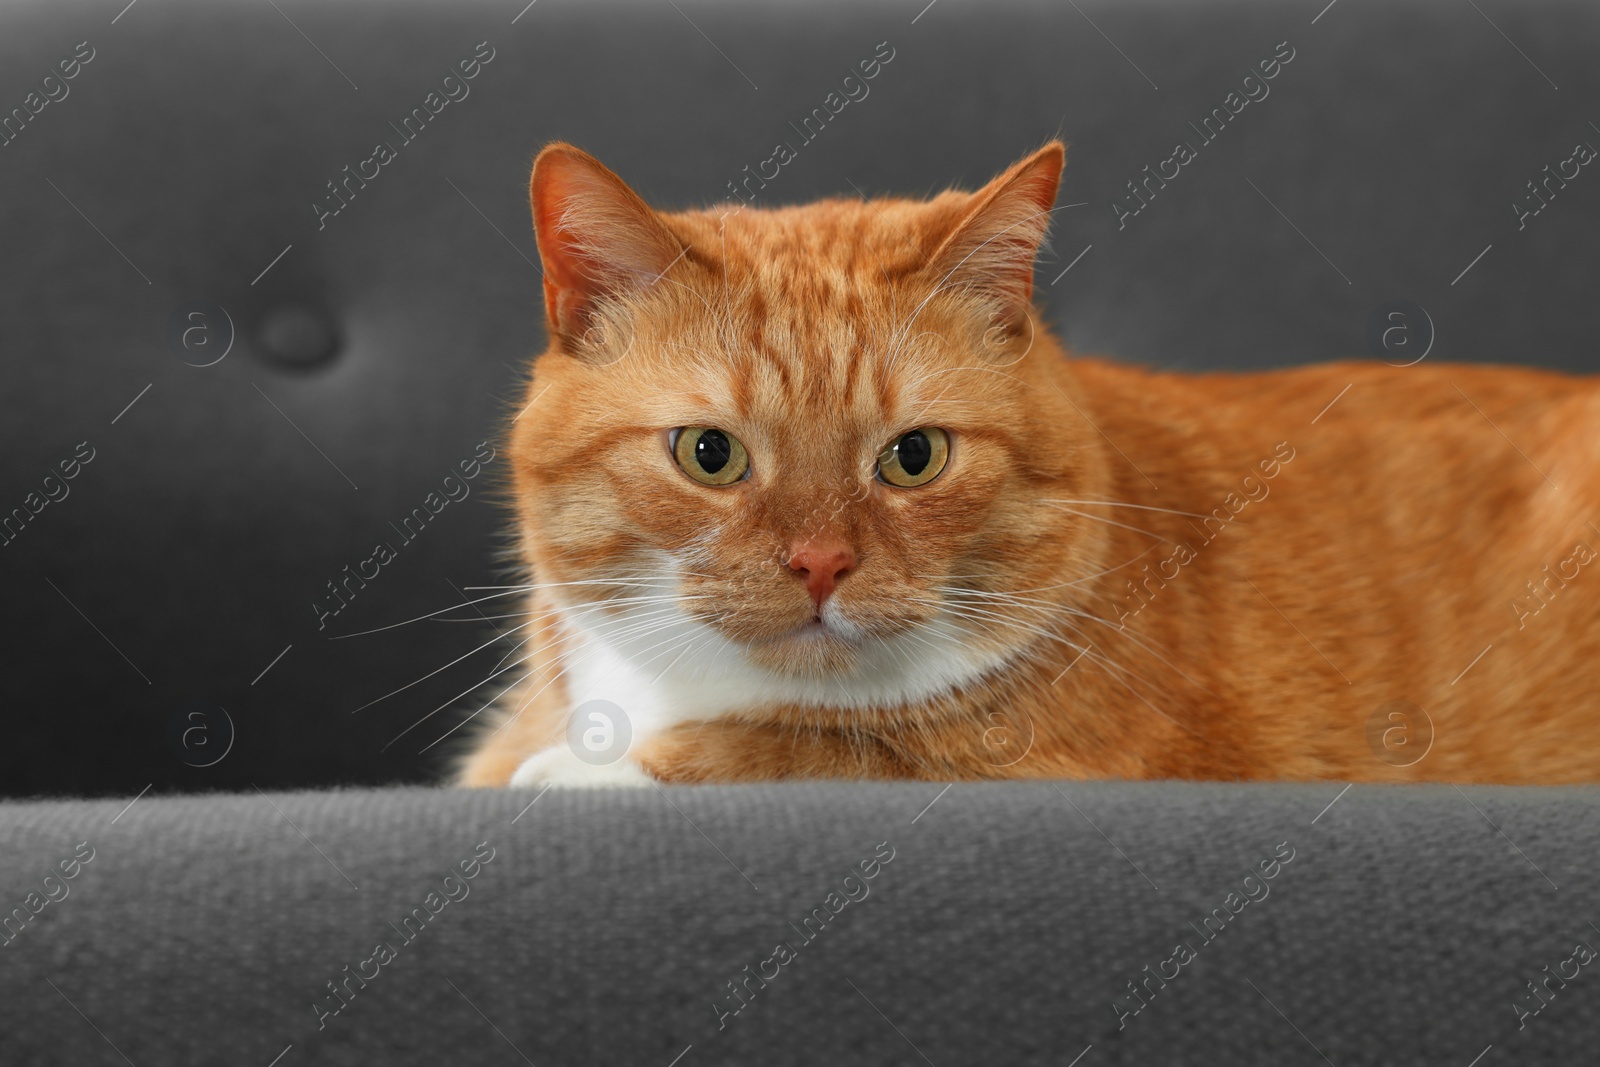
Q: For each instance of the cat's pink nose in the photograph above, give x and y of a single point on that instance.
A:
(821, 564)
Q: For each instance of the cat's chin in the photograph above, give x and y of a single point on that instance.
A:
(812, 649)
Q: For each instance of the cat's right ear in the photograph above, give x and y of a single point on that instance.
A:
(597, 239)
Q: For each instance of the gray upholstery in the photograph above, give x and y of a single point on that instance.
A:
(179, 168)
(1002, 931)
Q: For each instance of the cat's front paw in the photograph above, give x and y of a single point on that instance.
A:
(560, 766)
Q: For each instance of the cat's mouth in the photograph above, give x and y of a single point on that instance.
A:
(817, 646)
(816, 628)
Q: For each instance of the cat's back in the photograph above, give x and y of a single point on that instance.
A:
(1406, 520)
(1379, 389)
(1368, 419)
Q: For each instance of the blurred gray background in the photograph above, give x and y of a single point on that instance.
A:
(161, 628)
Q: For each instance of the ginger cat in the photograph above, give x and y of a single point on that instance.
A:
(812, 492)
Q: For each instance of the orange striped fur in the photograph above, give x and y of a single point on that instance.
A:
(1119, 572)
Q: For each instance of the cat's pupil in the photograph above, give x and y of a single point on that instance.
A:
(914, 451)
(712, 451)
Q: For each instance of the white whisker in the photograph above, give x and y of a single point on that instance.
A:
(1124, 504)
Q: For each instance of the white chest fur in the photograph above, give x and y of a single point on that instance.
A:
(660, 667)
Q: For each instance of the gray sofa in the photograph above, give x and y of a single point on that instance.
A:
(232, 363)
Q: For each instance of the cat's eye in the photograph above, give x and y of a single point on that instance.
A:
(710, 456)
(914, 458)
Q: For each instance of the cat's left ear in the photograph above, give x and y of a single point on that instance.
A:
(597, 239)
(993, 246)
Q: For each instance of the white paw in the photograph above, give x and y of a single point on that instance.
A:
(560, 766)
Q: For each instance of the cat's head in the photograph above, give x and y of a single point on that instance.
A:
(799, 450)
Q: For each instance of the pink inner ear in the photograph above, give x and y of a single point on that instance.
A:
(993, 248)
(596, 236)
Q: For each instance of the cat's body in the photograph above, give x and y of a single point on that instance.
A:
(1116, 573)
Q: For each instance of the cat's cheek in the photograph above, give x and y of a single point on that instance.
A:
(560, 767)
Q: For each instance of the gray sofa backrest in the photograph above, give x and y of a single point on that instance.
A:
(183, 169)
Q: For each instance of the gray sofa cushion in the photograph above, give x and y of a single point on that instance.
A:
(1004, 929)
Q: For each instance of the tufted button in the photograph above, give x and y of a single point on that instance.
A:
(297, 336)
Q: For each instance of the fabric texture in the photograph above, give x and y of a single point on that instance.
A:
(1003, 928)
